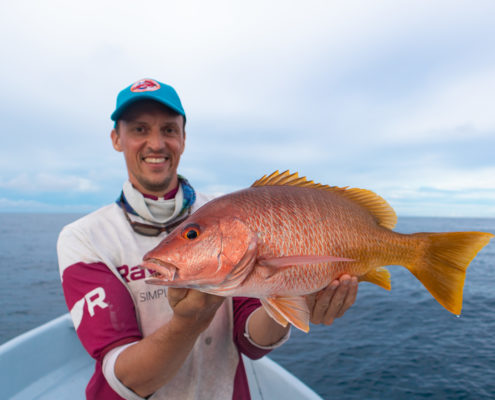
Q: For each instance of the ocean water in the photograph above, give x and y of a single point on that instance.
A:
(390, 345)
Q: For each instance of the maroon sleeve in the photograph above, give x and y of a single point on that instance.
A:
(101, 308)
(243, 307)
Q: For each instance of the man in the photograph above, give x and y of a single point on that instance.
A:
(149, 341)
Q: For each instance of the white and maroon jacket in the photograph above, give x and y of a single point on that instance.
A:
(112, 307)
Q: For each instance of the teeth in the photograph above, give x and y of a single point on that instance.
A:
(153, 160)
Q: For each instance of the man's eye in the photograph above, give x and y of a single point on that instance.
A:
(170, 130)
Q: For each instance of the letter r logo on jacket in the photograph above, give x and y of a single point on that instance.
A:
(94, 298)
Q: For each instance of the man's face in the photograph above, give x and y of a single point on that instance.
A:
(152, 139)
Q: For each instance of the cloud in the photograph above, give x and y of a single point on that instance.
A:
(394, 97)
(454, 108)
(20, 204)
(441, 192)
(26, 205)
(43, 182)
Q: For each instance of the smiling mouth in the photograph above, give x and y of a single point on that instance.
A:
(155, 160)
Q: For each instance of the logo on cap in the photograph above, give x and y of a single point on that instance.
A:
(145, 85)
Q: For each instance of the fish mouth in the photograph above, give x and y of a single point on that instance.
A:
(162, 270)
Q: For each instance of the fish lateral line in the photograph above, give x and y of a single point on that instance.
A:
(289, 261)
(271, 266)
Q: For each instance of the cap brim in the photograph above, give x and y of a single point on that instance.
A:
(145, 96)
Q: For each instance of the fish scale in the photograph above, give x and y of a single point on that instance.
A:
(333, 237)
(286, 237)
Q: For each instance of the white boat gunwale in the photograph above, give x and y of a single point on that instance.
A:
(49, 362)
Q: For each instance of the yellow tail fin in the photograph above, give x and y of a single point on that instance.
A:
(442, 269)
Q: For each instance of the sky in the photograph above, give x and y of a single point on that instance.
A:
(393, 96)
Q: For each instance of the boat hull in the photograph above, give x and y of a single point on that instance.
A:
(49, 363)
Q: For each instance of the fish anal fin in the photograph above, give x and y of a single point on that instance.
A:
(383, 213)
(379, 276)
(292, 309)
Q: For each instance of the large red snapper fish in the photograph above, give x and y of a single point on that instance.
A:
(286, 237)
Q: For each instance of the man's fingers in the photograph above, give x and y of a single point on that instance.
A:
(322, 301)
(344, 297)
(310, 301)
(334, 308)
(350, 297)
(333, 301)
(192, 304)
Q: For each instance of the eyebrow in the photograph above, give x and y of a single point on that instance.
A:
(166, 124)
(132, 120)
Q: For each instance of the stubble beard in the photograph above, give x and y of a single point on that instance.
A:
(157, 187)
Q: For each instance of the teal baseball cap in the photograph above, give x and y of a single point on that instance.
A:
(148, 89)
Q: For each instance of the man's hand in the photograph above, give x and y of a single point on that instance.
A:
(150, 363)
(333, 301)
(193, 307)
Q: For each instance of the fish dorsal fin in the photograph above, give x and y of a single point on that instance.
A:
(284, 179)
(382, 211)
(376, 205)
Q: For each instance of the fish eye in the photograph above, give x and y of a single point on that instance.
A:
(190, 232)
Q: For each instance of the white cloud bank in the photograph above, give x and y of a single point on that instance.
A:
(44, 182)
(392, 96)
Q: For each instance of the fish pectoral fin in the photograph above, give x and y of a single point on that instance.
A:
(156, 281)
(217, 291)
(273, 312)
(379, 276)
(289, 261)
(288, 309)
(270, 266)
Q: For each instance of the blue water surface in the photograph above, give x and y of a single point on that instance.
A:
(390, 345)
(402, 344)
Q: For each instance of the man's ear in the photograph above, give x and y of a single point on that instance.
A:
(115, 140)
(183, 144)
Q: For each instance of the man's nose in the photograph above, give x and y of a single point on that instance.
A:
(156, 140)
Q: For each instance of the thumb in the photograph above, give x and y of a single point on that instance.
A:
(175, 295)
